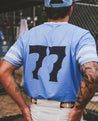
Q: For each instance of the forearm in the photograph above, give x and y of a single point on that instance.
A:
(88, 86)
(86, 91)
(13, 90)
(8, 82)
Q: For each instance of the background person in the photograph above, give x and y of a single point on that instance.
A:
(60, 67)
(1, 36)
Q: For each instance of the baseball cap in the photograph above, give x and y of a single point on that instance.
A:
(65, 3)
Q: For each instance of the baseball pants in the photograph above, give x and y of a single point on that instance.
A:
(46, 110)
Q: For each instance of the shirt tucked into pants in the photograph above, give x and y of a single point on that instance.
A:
(49, 110)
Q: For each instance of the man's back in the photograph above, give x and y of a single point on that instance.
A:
(50, 54)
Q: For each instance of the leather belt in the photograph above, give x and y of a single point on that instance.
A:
(62, 104)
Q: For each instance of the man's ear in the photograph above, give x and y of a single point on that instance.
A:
(70, 12)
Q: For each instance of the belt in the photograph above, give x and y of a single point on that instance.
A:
(62, 104)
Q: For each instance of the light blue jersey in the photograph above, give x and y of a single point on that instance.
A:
(52, 55)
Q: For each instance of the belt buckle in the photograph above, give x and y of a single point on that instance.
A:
(67, 105)
(34, 101)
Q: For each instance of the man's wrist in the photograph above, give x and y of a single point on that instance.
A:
(78, 108)
(24, 108)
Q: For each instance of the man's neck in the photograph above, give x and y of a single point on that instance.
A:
(59, 20)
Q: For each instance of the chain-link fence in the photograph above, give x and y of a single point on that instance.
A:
(85, 16)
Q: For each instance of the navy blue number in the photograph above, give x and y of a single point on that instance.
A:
(42, 53)
(60, 51)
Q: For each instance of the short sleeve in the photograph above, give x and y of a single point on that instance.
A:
(15, 53)
(86, 50)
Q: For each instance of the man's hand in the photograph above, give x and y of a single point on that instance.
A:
(27, 114)
(76, 114)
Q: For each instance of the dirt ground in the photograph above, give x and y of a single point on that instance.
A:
(19, 119)
(14, 119)
(10, 108)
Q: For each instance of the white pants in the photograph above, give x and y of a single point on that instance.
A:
(46, 110)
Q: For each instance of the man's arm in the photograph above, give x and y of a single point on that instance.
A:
(88, 87)
(7, 80)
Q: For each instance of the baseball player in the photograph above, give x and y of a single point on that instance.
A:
(60, 67)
